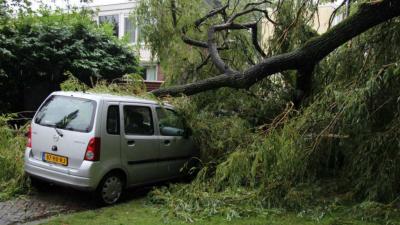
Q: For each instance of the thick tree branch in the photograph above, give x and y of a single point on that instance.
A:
(173, 13)
(367, 16)
(266, 14)
(256, 3)
(220, 10)
(215, 57)
(333, 15)
(212, 45)
(229, 24)
(197, 43)
(246, 11)
(184, 37)
(254, 39)
(193, 42)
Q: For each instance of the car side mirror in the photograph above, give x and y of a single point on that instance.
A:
(171, 131)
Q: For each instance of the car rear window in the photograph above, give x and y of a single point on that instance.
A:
(69, 113)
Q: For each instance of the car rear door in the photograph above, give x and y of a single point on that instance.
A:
(110, 135)
(139, 144)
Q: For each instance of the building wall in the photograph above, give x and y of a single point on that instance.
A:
(320, 22)
(121, 10)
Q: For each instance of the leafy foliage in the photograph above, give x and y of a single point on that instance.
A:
(129, 84)
(38, 48)
(341, 147)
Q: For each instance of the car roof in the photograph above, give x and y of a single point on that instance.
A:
(108, 97)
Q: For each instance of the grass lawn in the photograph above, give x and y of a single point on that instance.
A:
(138, 212)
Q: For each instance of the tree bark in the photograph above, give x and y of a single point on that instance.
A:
(367, 16)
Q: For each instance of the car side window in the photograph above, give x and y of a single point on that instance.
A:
(170, 123)
(113, 119)
(138, 120)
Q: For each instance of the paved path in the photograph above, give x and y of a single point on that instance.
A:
(44, 204)
(56, 200)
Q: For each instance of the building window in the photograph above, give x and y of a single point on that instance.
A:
(150, 73)
(140, 35)
(130, 30)
(113, 20)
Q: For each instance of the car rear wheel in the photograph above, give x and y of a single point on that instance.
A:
(38, 184)
(110, 189)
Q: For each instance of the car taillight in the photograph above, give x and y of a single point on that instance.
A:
(93, 150)
(29, 136)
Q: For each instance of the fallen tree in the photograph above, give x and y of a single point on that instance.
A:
(303, 59)
(260, 151)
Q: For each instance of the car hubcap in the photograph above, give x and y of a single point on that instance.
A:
(111, 190)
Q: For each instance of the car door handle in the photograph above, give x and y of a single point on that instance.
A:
(167, 142)
(131, 142)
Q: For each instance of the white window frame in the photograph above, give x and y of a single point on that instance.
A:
(136, 30)
(121, 26)
(146, 65)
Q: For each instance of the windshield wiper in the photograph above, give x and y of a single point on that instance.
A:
(58, 132)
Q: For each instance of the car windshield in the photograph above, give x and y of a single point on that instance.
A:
(69, 113)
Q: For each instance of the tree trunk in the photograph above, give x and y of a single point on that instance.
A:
(303, 85)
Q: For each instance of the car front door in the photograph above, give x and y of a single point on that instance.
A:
(139, 144)
(175, 147)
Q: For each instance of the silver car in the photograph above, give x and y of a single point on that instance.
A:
(105, 143)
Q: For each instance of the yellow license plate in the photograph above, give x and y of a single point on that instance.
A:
(55, 159)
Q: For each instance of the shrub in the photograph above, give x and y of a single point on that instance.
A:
(12, 147)
(38, 48)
